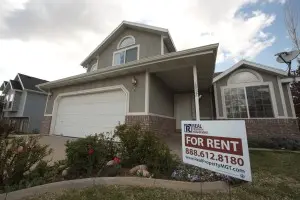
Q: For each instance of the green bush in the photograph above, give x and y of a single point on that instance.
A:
(144, 147)
(275, 143)
(81, 163)
(5, 128)
(17, 157)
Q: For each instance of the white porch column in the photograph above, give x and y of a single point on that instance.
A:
(196, 92)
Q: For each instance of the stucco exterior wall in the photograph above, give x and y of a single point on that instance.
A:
(149, 46)
(266, 78)
(34, 109)
(136, 94)
(160, 97)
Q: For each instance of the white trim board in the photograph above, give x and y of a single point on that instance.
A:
(89, 91)
(282, 97)
(272, 95)
(147, 92)
(151, 114)
(291, 100)
(144, 64)
(289, 80)
(216, 101)
(251, 64)
(125, 49)
(121, 40)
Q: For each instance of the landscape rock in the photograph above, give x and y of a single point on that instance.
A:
(136, 168)
(110, 163)
(64, 172)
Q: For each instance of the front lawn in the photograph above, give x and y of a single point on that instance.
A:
(276, 175)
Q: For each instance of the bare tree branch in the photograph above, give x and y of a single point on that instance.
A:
(291, 23)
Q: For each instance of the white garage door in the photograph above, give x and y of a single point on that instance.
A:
(86, 114)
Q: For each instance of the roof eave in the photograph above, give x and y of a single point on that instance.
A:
(127, 66)
(251, 64)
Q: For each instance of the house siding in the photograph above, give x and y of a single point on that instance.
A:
(136, 94)
(34, 109)
(149, 46)
(17, 100)
(160, 97)
(266, 78)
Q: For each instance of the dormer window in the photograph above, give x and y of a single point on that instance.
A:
(128, 51)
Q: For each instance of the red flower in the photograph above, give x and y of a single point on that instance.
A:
(117, 160)
(91, 151)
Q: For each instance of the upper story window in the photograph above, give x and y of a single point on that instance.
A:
(128, 51)
(126, 41)
(247, 96)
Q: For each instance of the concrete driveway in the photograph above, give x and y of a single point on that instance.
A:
(57, 143)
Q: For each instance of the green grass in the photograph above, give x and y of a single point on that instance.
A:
(276, 176)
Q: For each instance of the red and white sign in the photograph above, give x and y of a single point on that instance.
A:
(219, 145)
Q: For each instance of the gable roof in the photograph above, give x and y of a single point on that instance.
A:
(29, 82)
(15, 85)
(251, 65)
(125, 24)
(3, 85)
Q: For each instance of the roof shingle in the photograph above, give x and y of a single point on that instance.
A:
(30, 83)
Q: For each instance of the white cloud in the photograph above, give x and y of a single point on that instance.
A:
(49, 38)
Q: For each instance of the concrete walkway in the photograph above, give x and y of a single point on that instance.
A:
(129, 181)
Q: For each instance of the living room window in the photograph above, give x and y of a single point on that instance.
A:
(246, 96)
(248, 102)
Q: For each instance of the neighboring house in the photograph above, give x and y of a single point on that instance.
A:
(136, 76)
(24, 103)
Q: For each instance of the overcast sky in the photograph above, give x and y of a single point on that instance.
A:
(49, 38)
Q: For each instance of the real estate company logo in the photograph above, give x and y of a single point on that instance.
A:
(194, 128)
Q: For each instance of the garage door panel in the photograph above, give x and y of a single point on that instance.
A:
(83, 115)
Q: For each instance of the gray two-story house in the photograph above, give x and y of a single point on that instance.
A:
(24, 103)
(136, 75)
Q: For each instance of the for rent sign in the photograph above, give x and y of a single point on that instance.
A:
(219, 146)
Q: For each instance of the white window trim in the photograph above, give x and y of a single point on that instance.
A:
(282, 97)
(243, 85)
(125, 49)
(288, 86)
(123, 38)
(245, 70)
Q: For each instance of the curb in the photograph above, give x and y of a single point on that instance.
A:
(273, 150)
(129, 181)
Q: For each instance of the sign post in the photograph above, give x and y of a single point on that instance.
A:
(218, 145)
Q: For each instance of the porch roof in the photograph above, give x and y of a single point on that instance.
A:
(203, 57)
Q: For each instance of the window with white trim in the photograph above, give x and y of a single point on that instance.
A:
(128, 54)
(246, 96)
(248, 102)
(126, 41)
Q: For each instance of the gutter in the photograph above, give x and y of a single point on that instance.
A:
(135, 65)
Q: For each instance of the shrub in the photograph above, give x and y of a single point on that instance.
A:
(144, 147)
(17, 157)
(5, 128)
(86, 156)
(275, 143)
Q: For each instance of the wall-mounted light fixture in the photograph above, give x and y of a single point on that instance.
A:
(134, 81)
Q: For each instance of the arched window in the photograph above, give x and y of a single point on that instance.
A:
(127, 51)
(244, 76)
(126, 41)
